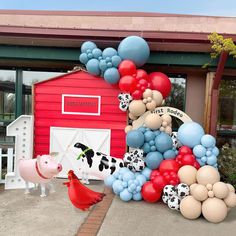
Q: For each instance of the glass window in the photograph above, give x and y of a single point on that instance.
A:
(29, 78)
(226, 125)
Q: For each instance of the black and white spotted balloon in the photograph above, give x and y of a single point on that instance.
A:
(134, 160)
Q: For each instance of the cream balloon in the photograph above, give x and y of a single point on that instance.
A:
(231, 188)
(220, 190)
(211, 194)
(153, 121)
(162, 129)
(167, 118)
(192, 186)
(230, 200)
(145, 101)
(214, 210)
(128, 128)
(149, 99)
(157, 97)
(137, 107)
(168, 130)
(207, 175)
(164, 124)
(187, 174)
(209, 186)
(200, 192)
(151, 105)
(147, 93)
(190, 208)
(132, 117)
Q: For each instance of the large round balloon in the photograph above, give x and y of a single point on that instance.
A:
(149, 193)
(127, 83)
(135, 139)
(112, 75)
(190, 134)
(127, 67)
(161, 82)
(88, 45)
(134, 48)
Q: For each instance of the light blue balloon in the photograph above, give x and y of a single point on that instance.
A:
(116, 175)
(200, 162)
(136, 182)
(204, 159)
(149, 136)
(109, 180)
(212, 160)
(208, 153)
(124, 184)
(120, 177)
(153, 148)
(123, 170)
(90, 55)
(88, 45)
(146, 148)
(215, 151)
(216, 166)
(109, 65)
(83, 58)
(116, 60)
(112, 75)
(190, 134)
(163, 142)
(146, 172)
(208, 141)
(130, 182)
(125, 195)
(109, 52)
(132, 187)
(157, 132)
(169, 154)
(92, 67)
(138, 189)
(102, 65)
(134, 48)
(97, 53)
(130, 190)
(117, 187)
(152, 142)
(128, 176)
(153, 160)
(142, 129)
(135, 139)
(137, 197)
(199, 151)
(141, 178)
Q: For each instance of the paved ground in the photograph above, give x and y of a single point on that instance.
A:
(142, 219)
(31, 215)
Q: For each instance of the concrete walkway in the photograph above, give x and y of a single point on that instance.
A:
(144, 219)
(31, 215)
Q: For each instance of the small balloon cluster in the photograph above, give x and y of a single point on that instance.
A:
(192, 135)
(208, 196)
(126, 184)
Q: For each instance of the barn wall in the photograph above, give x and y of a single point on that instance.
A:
(47, 110)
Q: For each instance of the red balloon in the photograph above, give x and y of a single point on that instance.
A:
(149, 194)
(127, 67)
(159, 81)
(127, 83)
(159, 183)
(171, 177)
(196, 165)
(185, 150)
(169, 165)
(137, 94)
(188, 159)
(141, 74)
(154, 173)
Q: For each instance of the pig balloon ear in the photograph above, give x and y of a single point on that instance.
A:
(54, 154)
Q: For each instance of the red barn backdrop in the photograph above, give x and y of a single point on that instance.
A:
(55, 103)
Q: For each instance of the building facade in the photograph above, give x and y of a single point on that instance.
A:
(38, 45)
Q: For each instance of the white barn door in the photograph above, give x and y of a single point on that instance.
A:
(62, 138)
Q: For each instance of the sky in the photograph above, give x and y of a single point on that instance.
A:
(195, 7)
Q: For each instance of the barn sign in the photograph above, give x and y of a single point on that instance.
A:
(81, 104)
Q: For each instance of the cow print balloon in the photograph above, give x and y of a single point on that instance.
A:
(182, 190)
(169, 191)
(176, 143)
(174, 203)
(134, 160)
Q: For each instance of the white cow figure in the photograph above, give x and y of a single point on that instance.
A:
(94, 163)
(40, 170)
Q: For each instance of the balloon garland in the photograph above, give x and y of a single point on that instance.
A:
(178, 167)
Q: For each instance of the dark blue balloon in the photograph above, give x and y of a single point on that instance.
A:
(163, 142)
(83, 58)
(88, 45)
(112, 75)
(93, 67)
(135, 139)
(153, 160)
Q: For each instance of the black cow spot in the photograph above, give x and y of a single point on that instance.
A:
(113, 160)
(172, 199)
(89, 155)
(182, 194)
(113, 169)
(121, 165)
(141, 167)
(129, 158)
(98, 153)
(135, 152)
(103, 164)
(136, 161)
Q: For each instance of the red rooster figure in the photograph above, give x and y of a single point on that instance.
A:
(81, 196)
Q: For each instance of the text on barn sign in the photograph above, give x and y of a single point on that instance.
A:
(81, 104)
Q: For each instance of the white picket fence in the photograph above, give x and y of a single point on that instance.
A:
(9, 168)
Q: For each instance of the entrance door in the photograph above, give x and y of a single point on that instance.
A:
(62, 138)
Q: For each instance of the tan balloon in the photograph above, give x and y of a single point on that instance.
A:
(230, 200)
(137, 107)
(220, 190)
(151, 105)
(167, 118)
(209, 186)
(164, 124)
(147, 93)
(187, 174)
(190, 208)
(132, 117)
(128, 128)
(145, 100)
(211, 194)
(162, 129)
(214, 210)
(153, 121)
(231, 188)
(200, 192)
(207, 175)
(149, 99)
(157, 97)
(192, 188)
(168, 130)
